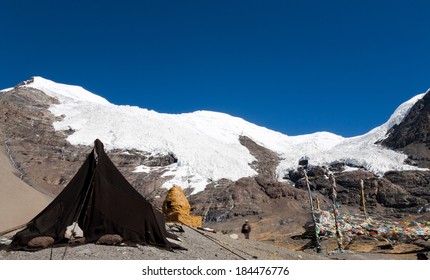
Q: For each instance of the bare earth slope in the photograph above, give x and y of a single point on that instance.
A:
(19, 203)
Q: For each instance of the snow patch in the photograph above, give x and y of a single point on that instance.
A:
(65, 93)
(6, 90)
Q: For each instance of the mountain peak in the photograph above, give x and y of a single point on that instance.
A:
(63, 92)
(414, 127)
(412, 134)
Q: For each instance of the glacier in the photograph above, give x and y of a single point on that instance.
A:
(206, 143)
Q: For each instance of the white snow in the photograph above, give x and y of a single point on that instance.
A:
(6, 89)
(207, 143)
(66, 93)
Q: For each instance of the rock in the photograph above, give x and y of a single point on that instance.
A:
(77, 241)
(110, 239)
(234, 236)
(417, 183)
(273, 188)
(422, 256)
(317, 171)
(41, 242)
(241, 198)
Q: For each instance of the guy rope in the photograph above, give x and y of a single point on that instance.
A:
(218, 242)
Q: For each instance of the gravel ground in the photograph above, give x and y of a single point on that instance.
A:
(200, 245)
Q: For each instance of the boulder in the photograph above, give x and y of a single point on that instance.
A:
(110, 239)
(41, 242)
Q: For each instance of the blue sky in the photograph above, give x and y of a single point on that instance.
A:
(293, 66)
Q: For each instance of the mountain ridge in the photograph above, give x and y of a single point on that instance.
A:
(412, 136)
(198, 138)
(40, 130)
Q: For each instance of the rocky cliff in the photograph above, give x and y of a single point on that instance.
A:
(412, 135)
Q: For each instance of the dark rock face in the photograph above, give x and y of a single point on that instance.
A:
(247, 196)
(406, 191)
(349, 188)
(415, 128)
(412, 135)
(416, 183)
(266, 160)
(235, 199)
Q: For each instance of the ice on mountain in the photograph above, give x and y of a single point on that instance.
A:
(205, 143)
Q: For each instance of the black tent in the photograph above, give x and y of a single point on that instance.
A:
(102, 202)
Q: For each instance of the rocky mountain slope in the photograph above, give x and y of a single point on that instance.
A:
(412, 135)
(48, 128)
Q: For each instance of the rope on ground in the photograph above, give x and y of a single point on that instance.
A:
(246, 253)
(218, 242)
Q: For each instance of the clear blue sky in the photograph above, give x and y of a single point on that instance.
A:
(293, 66)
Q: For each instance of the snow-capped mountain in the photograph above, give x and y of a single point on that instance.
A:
(205, 143)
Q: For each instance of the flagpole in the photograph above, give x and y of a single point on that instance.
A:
(363, 200)
(314, 220)
(335, 211)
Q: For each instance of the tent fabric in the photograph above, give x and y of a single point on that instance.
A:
(102, 202)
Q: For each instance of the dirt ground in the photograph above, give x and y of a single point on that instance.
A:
(19, 203)
(204, 245)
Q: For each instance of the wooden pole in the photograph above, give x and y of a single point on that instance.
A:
(314, 220)
(335, 211)
(363, 200)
